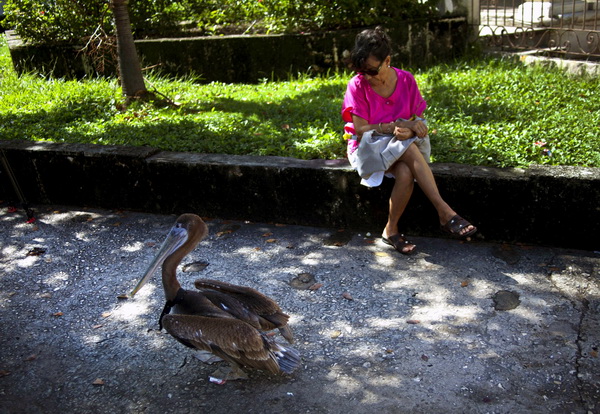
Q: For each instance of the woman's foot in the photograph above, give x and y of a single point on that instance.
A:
(399, 242)
(459, 227)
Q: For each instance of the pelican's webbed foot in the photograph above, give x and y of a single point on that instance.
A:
(230, 373)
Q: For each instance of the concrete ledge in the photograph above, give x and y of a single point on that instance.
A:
(556, 206)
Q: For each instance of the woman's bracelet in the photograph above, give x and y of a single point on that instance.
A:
(391, 129)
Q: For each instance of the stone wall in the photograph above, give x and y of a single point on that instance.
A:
(252, 58)
(556, 206)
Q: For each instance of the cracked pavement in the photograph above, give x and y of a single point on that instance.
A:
(457, 328)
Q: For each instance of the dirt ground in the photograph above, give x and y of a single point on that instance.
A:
(457, 328)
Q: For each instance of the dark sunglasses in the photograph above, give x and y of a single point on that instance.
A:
(371, 72)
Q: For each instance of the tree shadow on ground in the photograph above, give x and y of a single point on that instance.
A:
(415, 334)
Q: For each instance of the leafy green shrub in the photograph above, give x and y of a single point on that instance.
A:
(71, 21)
(357, 13)
(60, 20)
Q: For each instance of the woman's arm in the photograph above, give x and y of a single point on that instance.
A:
(400, 129)
(361, 126)
(418, 127)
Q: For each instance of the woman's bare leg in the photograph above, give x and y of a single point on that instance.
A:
(401, 193)
(420, 170)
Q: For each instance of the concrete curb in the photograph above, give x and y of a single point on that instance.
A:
(555, 206)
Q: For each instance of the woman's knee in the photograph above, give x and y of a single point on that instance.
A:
(402, 172)
(413, 157)
(411, 152)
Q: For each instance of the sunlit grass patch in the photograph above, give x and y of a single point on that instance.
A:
(486, 112)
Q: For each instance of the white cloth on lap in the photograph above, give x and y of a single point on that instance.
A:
(378, 156)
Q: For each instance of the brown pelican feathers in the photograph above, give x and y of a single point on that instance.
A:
(227, 320)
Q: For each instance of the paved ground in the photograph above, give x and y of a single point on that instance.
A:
(378, 332)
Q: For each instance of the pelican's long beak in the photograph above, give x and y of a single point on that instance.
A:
(176, 237)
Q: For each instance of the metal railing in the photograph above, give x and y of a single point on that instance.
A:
(563, 28)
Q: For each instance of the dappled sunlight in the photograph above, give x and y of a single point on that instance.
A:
(386, 323)
(93, 339)
(370, 397)
(384, 380)
(393, 285)
(384, 259)
(9, 250)
(133, 308)
(378, 331)
(532, 314)
(62, 216)
(10, 218)
(522, 279)
(338, 330)
(84, 236)
(131, 315)
(295, 318)
(57, 280)
(345, 384)
(313, 259)
(133, 247)
(159, 341)
(286, 269)
(441, 313)
(249, 253)
(437, 296)
(422, 265)
(22, 256)
(26, 262)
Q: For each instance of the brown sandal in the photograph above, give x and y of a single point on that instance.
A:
(399, 241)
(456, 224)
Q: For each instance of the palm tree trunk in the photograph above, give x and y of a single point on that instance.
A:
(132, 80)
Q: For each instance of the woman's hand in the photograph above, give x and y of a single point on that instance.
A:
(418, 127)
(401, 133)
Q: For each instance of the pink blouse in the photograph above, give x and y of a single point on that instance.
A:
(363, 101)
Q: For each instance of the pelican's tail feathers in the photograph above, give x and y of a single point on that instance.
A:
(286, 332)
(288, 358)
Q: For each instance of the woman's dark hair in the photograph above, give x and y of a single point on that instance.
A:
(370, 42)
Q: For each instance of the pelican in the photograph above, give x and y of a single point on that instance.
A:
(226, 320)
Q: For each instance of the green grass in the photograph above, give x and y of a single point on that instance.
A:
(507, 114)
(490, 112)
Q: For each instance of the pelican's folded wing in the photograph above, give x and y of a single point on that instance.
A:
(256, 301)
(229, 339)
(267, 312)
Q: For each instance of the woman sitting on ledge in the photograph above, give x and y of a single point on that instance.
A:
(385, 99)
